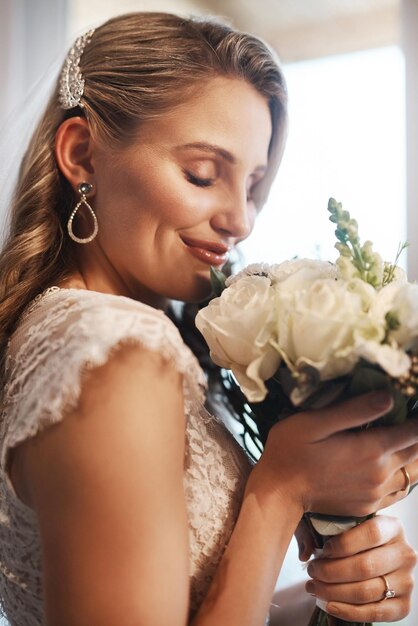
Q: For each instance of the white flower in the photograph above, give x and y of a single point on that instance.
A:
(399, 275)
(254, 269)
(392, 360)
(317, 323)
(400, 300)
(346, 269)
(317, 269)
(238, 328)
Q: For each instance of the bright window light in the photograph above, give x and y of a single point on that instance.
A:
(346, 140)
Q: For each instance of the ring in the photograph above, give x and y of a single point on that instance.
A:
(388, 593)
(407, 477)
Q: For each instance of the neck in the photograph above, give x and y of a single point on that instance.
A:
(95, 272)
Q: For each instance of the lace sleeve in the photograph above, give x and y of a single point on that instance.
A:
(67, 332)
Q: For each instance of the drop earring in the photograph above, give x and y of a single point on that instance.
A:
(83, 189)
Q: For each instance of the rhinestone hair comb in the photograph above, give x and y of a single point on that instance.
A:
(71, 80)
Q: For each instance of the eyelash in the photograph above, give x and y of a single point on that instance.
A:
(199, 182)
(207, 182)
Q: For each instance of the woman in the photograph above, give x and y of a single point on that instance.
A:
(123, 501)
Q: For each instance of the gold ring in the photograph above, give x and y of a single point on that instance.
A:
(407, 477)
(388, 593)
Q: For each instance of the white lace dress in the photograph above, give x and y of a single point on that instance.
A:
(63, 332)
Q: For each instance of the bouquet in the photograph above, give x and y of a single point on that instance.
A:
(304, 333)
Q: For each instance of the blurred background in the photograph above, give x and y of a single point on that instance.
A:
(352, 72)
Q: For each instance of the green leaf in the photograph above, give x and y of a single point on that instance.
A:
(326, 394)
(217, 281)
(367, 377)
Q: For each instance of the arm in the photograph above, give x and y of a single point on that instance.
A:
(107, 487)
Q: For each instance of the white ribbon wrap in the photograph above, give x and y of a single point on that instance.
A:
(327, 528)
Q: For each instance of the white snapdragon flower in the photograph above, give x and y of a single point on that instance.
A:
(346, 269)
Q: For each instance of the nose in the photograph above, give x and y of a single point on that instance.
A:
(235, 216)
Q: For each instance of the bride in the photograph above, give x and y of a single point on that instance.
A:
(122, 499)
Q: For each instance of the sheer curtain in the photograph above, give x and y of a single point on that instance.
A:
(33, 41)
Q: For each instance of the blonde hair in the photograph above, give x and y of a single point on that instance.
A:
(136, 67)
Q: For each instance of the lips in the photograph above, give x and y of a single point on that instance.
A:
(209, 252)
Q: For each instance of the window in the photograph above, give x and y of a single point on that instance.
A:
(346, 140)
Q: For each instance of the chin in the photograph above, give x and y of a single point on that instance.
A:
(198, 290)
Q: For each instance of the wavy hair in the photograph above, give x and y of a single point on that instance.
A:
(136, 67)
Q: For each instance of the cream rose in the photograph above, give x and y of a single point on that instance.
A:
(317, 322)
(238, 328)
(316, 269)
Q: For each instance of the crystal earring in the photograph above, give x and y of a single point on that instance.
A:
(83, 189)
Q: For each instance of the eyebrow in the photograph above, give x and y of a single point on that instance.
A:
(214, 149)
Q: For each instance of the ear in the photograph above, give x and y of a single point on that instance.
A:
(73, 151)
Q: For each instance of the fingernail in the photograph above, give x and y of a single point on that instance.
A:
(310, 587)
(327, 549)
(331, 608)
(310, 569)
(380, 400)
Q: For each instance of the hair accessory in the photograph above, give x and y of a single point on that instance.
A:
(71, 79)
(83, 189)
(388, 592)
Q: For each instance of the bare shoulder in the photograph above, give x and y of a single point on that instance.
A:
(107, 486)
(136, 397)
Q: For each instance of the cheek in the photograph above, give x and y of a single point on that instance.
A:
(172, 201)
(150, 196)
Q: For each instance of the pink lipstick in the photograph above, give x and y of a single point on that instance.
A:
(209, 252)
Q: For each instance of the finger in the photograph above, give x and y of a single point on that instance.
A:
(412, 469)
(399, 485)
(354, 412)
(409, 457)
(364, 592)
(305, 540)
(363, 566)
(383, 611)
(370, 534)
(396, 438)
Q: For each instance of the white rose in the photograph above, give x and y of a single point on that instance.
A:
(238, 328)
(316, 268)
(317, 323)
(366, 292)
(254, 269)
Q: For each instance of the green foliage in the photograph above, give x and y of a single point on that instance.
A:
(217, 281)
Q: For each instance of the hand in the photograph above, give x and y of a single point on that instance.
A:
(304, 537)
(313, 459)
(350, 578)
(412, 469)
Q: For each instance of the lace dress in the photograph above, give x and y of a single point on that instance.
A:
(63, 332)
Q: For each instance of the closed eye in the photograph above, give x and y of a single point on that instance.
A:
(199, 182)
